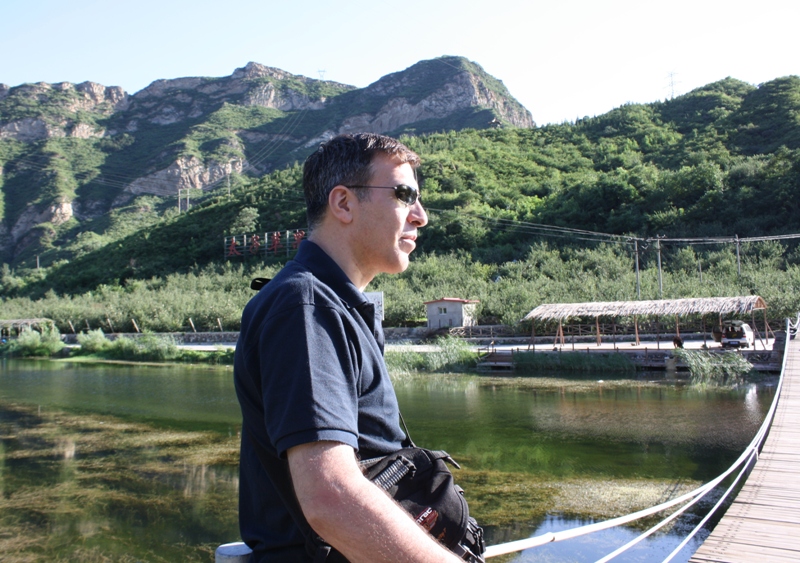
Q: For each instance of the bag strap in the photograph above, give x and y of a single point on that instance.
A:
(407, 441)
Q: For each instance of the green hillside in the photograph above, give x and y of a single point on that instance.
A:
(93, 148)
(722, 160)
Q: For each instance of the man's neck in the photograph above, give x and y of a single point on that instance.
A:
(339, 251)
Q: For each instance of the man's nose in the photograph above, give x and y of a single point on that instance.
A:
(417, 215)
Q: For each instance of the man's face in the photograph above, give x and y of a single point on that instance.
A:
(387, 228)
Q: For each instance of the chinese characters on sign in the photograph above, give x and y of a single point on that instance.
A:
(272, 243)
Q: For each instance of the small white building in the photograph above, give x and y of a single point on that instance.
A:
(451, 311)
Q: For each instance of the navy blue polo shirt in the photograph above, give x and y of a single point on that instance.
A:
(308, 367)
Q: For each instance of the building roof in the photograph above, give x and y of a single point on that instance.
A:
(451, 300)
(700, 305)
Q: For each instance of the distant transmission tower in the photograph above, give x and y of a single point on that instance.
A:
(321, 74)
(672, 83)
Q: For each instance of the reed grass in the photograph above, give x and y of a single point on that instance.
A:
(452, 355)
(718, 369)
(531, 362)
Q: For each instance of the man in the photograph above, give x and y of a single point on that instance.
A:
(309, 367)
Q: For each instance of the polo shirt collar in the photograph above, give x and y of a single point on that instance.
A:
(328, 272)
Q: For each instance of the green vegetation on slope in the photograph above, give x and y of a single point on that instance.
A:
(684, 167)
(507, 291)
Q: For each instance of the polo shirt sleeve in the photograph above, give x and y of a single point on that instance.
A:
(309, 378)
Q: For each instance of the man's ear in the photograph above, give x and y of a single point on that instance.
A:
(341, 201)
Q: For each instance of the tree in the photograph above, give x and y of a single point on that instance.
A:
(246, 221)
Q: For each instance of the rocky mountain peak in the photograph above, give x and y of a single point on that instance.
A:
(193, 132)
(433, 90)
(255, 70)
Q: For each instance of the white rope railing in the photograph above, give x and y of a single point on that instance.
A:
(747, 457)
(232, 552)
(760, 438)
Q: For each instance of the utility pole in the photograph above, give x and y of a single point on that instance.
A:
(180, 193)
(738, 256)
(660, 282)
(636, 255)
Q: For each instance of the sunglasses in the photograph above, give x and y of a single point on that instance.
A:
(407, 194)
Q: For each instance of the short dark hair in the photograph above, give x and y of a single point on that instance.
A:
(346, 160)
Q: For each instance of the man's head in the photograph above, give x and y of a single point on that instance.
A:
(347, 160)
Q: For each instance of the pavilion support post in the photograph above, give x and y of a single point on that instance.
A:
(597, 326)
(558, 331)
(677, 327)
(636, 328)
(766, 326)
(614, 333)
(763, 343)
(658, 341)
(533, 334)
(703, 321)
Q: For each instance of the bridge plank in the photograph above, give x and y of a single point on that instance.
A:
(763, 522)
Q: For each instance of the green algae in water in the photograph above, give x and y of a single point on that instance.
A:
(139, 464)
(95, 488)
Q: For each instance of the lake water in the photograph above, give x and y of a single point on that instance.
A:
(135, 463)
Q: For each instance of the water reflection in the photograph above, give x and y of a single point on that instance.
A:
(101, 462)
(591, 547)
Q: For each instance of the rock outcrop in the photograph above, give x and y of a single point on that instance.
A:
(62, 102)
(55, 214)
(184, 173)
(193, 132)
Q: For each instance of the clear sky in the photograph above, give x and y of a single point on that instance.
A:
(562, 59)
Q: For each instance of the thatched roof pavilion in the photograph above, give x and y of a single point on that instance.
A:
(661, 307)
(18, 325)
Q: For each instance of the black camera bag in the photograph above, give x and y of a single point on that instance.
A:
(420, 481)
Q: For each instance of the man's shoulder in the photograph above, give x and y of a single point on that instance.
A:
(295, 285)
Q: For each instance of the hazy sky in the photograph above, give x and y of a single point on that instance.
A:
(561, 59)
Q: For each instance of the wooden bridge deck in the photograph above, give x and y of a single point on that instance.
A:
(763, 523)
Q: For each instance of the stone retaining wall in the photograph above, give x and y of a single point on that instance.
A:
(181, 337)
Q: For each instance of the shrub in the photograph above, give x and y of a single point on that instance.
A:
(220, 356)
(147, 347)
(92, 342)
(33, 343)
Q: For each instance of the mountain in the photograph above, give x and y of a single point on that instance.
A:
(71, 153)
(90, 196)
